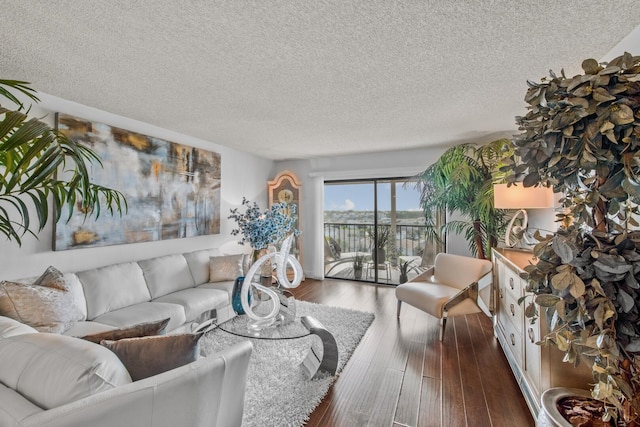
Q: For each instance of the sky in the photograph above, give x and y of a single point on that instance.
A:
(359, 197)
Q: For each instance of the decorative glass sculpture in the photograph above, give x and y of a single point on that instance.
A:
(281, 259)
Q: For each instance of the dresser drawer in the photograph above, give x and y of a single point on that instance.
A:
(513, 340)
(532, 354)
(510, 311)
(513, 284)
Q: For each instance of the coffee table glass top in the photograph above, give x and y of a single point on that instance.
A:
(241, 326)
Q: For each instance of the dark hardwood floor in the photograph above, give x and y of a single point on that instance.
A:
(402, 375)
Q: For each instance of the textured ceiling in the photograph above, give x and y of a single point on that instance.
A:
(299, 79)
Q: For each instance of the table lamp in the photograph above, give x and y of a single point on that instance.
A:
(521, 198)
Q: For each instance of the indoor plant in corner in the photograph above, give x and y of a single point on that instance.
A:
(31, 154)
(461, 181)
(582, 136)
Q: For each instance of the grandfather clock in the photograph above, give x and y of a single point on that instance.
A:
(285, 188)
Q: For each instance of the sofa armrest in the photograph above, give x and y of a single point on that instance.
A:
(207, 392)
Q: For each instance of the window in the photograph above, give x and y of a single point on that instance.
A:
(375, 231)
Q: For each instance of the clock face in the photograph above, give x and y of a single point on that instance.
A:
(285, 196)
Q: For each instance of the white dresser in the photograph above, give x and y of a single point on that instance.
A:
(536, 368)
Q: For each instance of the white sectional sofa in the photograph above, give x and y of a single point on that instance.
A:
(51, 380)
(187, 288)
(177, 286)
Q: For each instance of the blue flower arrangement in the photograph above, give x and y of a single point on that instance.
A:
(261, 229)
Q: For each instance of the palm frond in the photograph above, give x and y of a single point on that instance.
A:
(31, 155)
(461, 181)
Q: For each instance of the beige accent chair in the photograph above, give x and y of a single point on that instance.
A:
(449, 288)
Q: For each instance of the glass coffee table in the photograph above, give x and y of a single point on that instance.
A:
(314, 365)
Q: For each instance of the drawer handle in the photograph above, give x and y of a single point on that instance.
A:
(513, 339)
(512, 309)
(531, 335)
(511, 283)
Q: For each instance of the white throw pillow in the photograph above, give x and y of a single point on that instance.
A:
(226, 267)
(52, 370)
(49, 304)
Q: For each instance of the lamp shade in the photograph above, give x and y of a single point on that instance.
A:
(521, 197)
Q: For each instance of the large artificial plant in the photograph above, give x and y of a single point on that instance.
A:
(32, 155)
(581, 135)
(461, 181)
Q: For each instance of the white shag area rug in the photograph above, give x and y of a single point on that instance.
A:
(278, 393)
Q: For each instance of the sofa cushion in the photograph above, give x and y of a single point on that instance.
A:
(225, 267)
(148, 356)
(113, 287)
(14, 407)
(10, 327)
(196, 301)
(145, 312)
(166, 274)
(198, 262)
(226, 286)
(139, 330)
(47, 304)
(52, 370)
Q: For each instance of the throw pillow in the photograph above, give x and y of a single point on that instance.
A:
(46, 304)
(148, 356)
(52, 370)
(226, 267)
(135, 331)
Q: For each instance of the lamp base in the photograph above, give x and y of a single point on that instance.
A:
(518, 231)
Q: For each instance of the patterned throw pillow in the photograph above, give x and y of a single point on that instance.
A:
(148, 356)
(225, 268)
(136, 331)
(46, 304)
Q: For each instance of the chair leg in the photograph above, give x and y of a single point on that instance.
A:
(443, 324)
(399, 306)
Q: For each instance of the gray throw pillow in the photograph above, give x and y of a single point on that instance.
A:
(148, 356)
(47, 304)
(135, 331)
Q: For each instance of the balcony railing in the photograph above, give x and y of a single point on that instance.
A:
(410, 240)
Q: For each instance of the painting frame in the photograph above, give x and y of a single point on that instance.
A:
(172, 189)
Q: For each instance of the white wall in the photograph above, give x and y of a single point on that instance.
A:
(243, 174)
(312, 174)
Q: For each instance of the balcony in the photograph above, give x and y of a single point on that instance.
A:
(344, 242)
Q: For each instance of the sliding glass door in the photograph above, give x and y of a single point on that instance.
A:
(374, 231)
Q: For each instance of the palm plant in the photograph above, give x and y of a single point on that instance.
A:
(461, 181)
(31, 155)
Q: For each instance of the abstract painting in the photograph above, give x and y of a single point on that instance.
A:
(172, 190)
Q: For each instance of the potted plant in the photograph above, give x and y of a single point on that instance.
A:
(404, 270)
(461, 181)
(380, 239)
(581, 135)
(31, 154)
(358, 264)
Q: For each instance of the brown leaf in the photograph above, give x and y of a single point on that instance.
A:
(562, 280)
(577, 287)
(621, 114)
(601, 94)
(590, 66)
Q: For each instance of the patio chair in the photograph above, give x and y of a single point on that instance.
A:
(449, 288)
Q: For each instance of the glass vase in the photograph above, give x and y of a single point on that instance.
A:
(236, 302)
